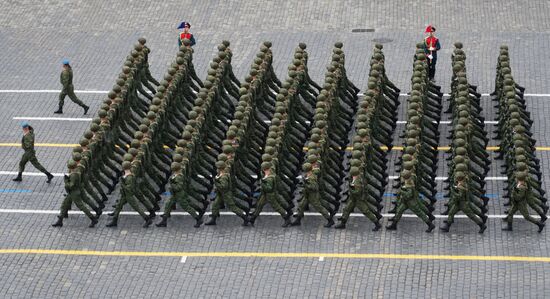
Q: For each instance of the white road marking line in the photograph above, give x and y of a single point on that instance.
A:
(392, 177)
(51, 118)
(183, 259)
(448, 122)
(50, 91)
(321, 258)
(131, 213)
(57, 174)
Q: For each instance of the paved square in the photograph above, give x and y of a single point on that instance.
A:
(299, 262)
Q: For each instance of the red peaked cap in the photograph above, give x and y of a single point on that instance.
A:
(430, 28)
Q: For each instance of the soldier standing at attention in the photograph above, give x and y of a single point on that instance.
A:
(431, 46)
(27, 143)
(68, 88)
(185, 34)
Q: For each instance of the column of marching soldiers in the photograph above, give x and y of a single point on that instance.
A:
(237, 145)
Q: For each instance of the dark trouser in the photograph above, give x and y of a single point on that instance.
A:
(431, 67)
(69, 92)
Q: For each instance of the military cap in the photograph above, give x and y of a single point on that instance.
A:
(72, 164)
(126, 165)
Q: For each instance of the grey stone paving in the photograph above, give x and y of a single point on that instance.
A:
(96, 36)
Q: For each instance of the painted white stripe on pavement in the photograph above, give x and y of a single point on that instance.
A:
(132, 213)
(447, 122)
(29, 173)
(442, 178)
(50, 91)
(51, 118)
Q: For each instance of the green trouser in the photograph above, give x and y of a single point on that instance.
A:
(227, 198)
(74, 197)
(465, 207)
(183, 200)
(415, 207)
(131, 200)
(362, 206)
(86, 184)
(524, 211)
(273, 200)
(30, 156)
(315, 201)
(69, 91)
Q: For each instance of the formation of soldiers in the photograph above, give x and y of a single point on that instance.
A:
(202, 139)
(223, 143)
(468, 161)
(376, 122)
(416, 185)
(517, 148)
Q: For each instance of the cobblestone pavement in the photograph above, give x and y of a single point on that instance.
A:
(96, 36)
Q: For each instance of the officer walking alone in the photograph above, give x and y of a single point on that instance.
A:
(68, 88)
(431, 46)
(27, 143)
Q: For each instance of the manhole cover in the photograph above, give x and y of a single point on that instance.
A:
(382, 40)
(363, 30)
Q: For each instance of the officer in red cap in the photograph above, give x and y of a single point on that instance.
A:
(185, 34)
(431, 46)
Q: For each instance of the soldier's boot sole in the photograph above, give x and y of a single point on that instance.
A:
(59, 222)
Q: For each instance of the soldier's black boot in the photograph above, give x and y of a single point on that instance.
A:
(541, 226)
(377, 226)
(431, 227)
(94, 222)
(19, 177)
(50, 177)
(86, 108)
(59, 222)
(340, 225)
(113, 223)
(148, 221)
(163, 222)
(59, 110)
(445, 228)
(508, 227)
(482, 228)
(297, 221)
(392, 226)
(198, 223)
(211, 221)
(287, 222)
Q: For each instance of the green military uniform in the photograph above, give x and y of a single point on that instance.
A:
(74, 195)
(66, 79)
(27, 144)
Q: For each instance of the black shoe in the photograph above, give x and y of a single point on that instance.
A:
(445, 228)
(392, 226)
(19, 178)
(94, 222)
(482, 228)
(59, 222)
(211, 221)
(296, 222)
(59, 111)
(431, 227)
(340, 225)
(541, 226)
(329, 223)
(377, 227)
(508, 227)
(148, 222)
(86, 108)
(198, 223)
(287, 222)
(113, 223)
(163, 222)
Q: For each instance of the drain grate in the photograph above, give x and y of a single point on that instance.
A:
(382, 40)
(362, 30)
